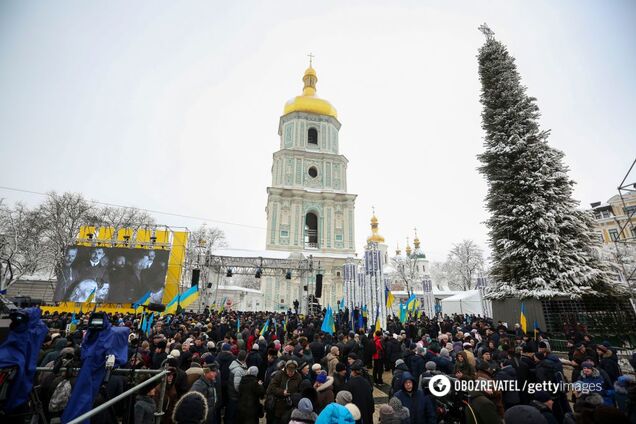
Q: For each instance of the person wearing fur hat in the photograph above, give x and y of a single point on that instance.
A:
(608, 362)
(192, 408)
(303, 413)
(400, 412)
(283, 385)
(206, 385)
(420, 406)
(324, 388)
(251, 392)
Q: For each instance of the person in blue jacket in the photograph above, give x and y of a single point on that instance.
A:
(420, 406)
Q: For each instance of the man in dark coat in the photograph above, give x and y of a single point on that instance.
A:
(206, 385)
(484, 410)
(362, 393)
(251, 391)
(420, 406)
(283, 385)
(224, 359)
(526, 373)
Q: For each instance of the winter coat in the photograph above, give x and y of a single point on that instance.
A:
(339, 382)
(325, 395)
(509, 397)
(209, 391)
(379, 349)
(420, 406)
(468, 371)
(396, 381)
(224, 359)
(546, 370)
(595, 384)
(610, 366)
(332, 361)
(249, 405)
(525, 374)
(417, 366)
(237, 371)
(444, 364)
(281, 382)
(393, 352)
(362, 393)
(145, 410)
(545, 411)
(483, 410)
(335, 414)
(58, 345)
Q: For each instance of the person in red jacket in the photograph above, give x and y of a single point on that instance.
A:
(378, 355)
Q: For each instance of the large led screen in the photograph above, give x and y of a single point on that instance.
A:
(118, 275)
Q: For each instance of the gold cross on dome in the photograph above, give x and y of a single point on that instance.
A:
(311, 57)
(373, 209)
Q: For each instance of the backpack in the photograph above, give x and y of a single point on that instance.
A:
(61, 395)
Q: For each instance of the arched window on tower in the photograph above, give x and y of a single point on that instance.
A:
(312, 136)
(311, 231)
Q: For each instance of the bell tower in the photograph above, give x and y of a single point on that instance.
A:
(308, 206)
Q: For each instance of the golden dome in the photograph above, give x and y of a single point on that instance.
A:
(408, 247)
(308, 102)
(375, 237)
(416, 241)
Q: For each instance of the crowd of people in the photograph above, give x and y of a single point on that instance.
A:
(224, 369)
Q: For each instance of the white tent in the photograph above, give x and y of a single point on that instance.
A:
(466, 302)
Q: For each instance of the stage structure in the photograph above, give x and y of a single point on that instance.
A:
(115, 261)
(260, 265)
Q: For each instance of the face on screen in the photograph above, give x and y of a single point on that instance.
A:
(123, 273)
(97, 255)
(70, 256)
(120, 262)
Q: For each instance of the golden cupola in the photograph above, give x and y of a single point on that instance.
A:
(375, 237)
(408, 248)
(416, 241)
(308, 101)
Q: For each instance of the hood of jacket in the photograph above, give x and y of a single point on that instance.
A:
(408, 376)
(402, 367)
(326, 385)
(236, 364)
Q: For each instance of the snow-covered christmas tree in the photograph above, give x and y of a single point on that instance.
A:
(542, 245)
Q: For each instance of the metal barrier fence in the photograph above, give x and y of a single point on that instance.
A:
(623, 354)
(159, 375)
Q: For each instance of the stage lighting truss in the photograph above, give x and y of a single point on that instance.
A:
(259, 267)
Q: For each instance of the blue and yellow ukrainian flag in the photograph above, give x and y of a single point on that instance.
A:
(522, 318)
(189, 296)
(389, 298)
(143, 300)
(265, 327)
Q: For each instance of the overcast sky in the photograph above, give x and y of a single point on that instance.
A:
(174, 106)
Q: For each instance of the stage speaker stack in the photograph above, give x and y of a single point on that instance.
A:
(196, 273)
(318, 285)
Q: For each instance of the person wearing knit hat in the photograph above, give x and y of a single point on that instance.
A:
(316, 367)
(324, 390)
(304, 413)
(387, 415)
(400, 411)
(344, 397)
(524, 414)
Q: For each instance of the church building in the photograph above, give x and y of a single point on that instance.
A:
(309, 211)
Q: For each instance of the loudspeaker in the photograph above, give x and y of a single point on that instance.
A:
(209, 285)
(195, 276)
(318, 285)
